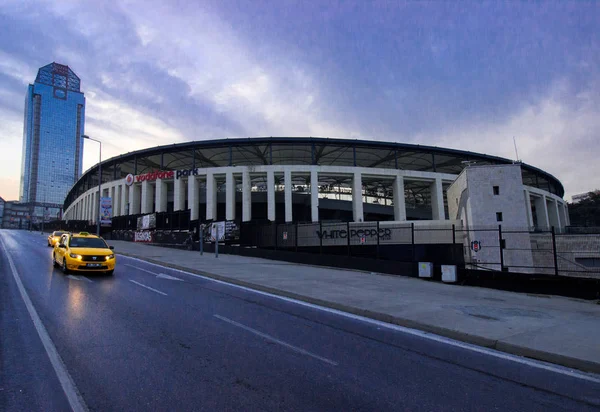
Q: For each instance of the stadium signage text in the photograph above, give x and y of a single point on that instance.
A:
(155, 175)
(384, 234)
(186, 172)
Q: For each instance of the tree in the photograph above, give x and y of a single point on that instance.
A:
(587, 211)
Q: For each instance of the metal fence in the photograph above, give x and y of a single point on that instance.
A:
(539, 253)
(403, 242)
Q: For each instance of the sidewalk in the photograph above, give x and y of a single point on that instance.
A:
(555, 329)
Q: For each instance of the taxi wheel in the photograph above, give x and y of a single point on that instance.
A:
(54, 262)
(64, 266)
(110, 272)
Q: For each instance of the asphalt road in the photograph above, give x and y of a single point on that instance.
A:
(153, 338)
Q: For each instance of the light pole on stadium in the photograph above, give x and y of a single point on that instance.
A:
(99, 182)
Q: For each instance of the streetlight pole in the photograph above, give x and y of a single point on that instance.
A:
(99, 182)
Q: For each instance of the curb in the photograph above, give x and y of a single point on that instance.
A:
(567, 361)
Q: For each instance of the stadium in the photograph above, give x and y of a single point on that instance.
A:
(282, 179)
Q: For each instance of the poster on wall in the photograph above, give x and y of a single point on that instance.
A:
(146, 222)
(105, 211)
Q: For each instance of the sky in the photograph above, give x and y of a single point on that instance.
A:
(462, 75)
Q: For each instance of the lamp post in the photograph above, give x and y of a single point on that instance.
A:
(99, 181)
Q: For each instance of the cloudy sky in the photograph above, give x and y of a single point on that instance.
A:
(466, 76)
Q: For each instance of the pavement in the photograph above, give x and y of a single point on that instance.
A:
(554, 329)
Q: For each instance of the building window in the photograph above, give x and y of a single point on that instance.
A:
(496, 190)
(499, 216)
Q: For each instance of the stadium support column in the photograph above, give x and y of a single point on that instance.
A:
(287, 181)
(116, 202)
(528, 206)
(193, 204)
(271, 195)
(246, 196)
(161, 196)
(94, 210)
(553, 213)
(437, 200)
(399, 201)
(178, 194)
(541, 212)
(134, 199)
(147, 197)
(357, 199)
(211, 197)
(314, 195)
(566, 214)
(91, 207)
(229, 196)
(124, 200)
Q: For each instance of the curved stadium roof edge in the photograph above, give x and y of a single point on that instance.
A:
(374, 144)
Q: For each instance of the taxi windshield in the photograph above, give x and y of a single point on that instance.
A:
(58, 233)
(92, 242)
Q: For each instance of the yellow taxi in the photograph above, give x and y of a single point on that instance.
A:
(83, 252)
(54, 237)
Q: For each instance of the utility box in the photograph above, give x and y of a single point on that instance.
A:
(425, 269)
(449, 273)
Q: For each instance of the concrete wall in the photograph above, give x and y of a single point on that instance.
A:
(472, 200)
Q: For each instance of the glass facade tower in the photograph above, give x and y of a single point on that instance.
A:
(52, 140)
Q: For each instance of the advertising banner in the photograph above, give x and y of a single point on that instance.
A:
(105, 211)
(220, 227)
(146, 222)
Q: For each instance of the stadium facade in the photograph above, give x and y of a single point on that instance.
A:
(303, 180)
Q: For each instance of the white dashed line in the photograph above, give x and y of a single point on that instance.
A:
(148, 287)
(275, 340)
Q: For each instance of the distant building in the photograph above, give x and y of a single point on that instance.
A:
(52, 140)
(1, 210)
(582, 196)
(16, 215)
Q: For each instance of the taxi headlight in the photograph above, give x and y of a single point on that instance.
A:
(74, 256)
(109, 257)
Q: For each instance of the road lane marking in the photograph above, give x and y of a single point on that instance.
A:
(66, 381)
(148, 287)
(275, 340)
(80, 278)
(158, 275)
(562, 370)
(143, 270)
(165, 276)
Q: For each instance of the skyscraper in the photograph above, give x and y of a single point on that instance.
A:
(52, 140)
